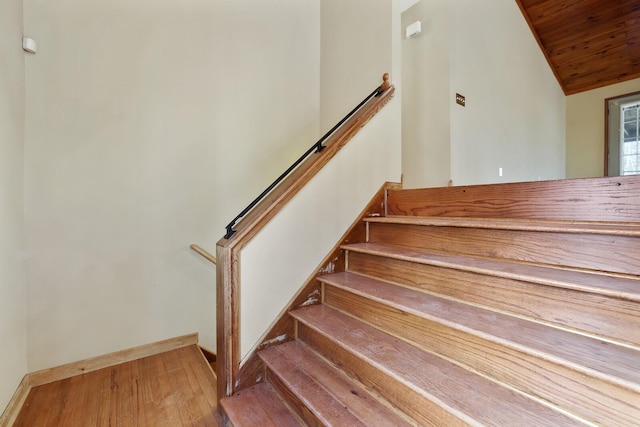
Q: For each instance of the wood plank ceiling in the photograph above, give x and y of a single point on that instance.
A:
(588, 43)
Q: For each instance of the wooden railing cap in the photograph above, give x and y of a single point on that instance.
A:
(385, 82)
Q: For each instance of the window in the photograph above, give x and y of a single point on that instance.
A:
(630, 139)
(622, 139)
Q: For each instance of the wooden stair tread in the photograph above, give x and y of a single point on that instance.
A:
(471, 397)
(604, 284)
(258, 406)
(330, 395)
(617, 364)
(591, 313)
(560, 226)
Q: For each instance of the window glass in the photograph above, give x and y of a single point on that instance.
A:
(630, 131)
(630, 113)
(630, 164)
(630, 139)
(630, 148)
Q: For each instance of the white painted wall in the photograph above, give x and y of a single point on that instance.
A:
(585, 128)
(356, 39)
(426, 121)
(150, 124)
(515, 110)
(355, 52)
(13, 291)
(274, 269)
(405, 4)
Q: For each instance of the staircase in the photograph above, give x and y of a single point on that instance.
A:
(519, 316)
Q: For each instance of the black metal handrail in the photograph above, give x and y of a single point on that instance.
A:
(318, 147)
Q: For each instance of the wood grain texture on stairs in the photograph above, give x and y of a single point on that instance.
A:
(610, 285)
(621, 364)
(593, 378)
(259, 406)
(550, 226)
(613, 199)
(599, 252)
(430, 389)
(322, 394)
(494, 305)
(603, 306)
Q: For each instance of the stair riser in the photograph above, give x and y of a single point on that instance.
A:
(588, 396)
(294, 404)
(596, 252)
(412, 403)
(592, 199)
(595, 314)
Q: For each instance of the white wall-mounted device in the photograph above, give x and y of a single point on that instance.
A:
(29, 45)
(414, 29)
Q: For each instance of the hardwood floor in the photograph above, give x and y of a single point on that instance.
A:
(176, 388)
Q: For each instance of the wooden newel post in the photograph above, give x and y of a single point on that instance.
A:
(385, 82)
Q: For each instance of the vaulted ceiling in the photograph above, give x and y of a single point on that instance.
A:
(588, 43)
